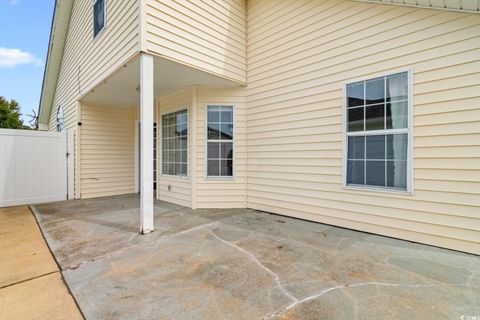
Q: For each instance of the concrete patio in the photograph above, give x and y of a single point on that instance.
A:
(246, 264)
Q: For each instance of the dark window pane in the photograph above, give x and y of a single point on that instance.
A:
(356, 148)
(213, 114)
(213, 150)
(170, 131)
(397, 174)
(355, 119)
(226, 150)
(178, 156)
(374, 117)
(227, 114)
(375, 173)
(397, 87)
(184, 156)
(397, 115)
(355, 94)
(376, 147)
(169, 168)
(214, 131)
(184, 169)
(375, 91)
(355, 172)
(226, 131)
(178, 168)
(397, 145)
(178, 143)
(213, 168)
(181, 129)
(183, 142)
(98, 16)
(226, 167)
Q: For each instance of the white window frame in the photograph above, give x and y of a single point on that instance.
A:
(409, 131)
(160, 135)
(206, 176)
(95, 36)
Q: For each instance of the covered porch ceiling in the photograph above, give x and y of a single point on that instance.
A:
(121, 89)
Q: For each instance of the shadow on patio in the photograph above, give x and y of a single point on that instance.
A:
(246, 264)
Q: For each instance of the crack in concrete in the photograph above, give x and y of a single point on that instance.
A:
(361, 284)
(155, 241)
(275, 276)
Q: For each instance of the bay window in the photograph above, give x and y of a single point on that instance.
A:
(175, 143)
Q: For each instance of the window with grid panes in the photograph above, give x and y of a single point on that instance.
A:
(174, 143)
(98, 16)
(219, 141)
(377, 132)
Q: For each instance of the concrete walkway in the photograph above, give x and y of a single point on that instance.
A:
(31, 286)
(246, 264)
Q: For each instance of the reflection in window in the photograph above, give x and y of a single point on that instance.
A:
(175, 143)
(98, 16)
(377, 132)
(220, 141)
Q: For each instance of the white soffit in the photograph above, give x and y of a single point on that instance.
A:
(121, 89)
(472, 6)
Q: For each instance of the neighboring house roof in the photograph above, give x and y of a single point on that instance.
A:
(58, 36)
(458, 5)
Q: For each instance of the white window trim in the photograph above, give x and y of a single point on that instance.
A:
(104, 19)
(409, 189)
(205, 166)
(160, 135)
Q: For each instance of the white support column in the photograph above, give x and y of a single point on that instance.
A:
(146, 143)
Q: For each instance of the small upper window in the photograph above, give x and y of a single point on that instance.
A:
(59, 120)
(98, 16)
(378, 132)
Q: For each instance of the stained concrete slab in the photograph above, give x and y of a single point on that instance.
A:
(247, 264)
(24, 253)
(45, 297)
(31, 286)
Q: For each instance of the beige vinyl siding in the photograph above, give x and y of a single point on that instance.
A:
(209, 35)
(87, 61)
(180, 187)
(221, 192)
(300, 55)
(107, 154)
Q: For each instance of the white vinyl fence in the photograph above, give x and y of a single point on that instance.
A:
(33, 167)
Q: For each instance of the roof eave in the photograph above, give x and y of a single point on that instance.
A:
(58, 35)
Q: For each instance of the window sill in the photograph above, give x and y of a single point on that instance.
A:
(219, 178)
(169, 176)
(378, 190)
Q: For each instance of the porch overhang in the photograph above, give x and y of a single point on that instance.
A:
(122, 88)
(139, 83)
